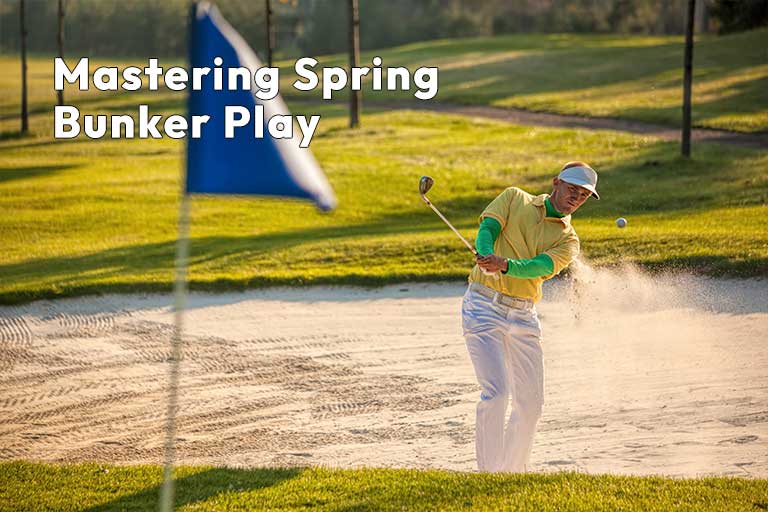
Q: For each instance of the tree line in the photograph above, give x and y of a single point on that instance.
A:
(143, 28)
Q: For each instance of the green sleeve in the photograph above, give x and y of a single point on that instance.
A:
(540, 266)
(487, 235)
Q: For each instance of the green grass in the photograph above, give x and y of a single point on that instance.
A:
(97, 487)
(88, 216)
(629, 77)
(98, 216)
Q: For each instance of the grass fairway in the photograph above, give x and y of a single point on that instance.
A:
(87, 216)
(619, 76)
(94, 487)
(98, 216)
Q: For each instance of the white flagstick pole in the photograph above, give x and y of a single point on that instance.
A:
(180, 304)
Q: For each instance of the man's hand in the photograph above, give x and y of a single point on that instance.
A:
(492, 263)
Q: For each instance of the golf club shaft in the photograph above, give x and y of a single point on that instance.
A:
(469, 246)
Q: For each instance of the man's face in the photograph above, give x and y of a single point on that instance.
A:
(567, 197)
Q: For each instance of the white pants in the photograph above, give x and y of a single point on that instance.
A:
(504, 344)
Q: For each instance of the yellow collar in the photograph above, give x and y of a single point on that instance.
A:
(539, 201)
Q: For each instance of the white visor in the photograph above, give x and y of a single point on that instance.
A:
(584, 177)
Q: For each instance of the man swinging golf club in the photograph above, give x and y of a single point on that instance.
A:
(527, 239)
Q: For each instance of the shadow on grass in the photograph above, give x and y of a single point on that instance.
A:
(40, 142)
(18, 173)
(11, 135)
(658, 179)
(201, 487)
(745, 97)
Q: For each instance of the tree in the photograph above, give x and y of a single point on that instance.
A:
(735, 15)
(687, 78)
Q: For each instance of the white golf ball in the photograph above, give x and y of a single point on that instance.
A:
(621, 222)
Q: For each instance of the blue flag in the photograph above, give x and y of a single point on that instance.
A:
(242, 164)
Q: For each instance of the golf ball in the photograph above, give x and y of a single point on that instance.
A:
(621, 222)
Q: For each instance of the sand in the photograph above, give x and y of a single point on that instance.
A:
(665, 375)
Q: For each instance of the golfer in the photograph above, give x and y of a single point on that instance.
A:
(523, 240)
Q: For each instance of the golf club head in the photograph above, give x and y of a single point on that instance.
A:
(425, 183)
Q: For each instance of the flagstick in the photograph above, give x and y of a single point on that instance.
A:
(180, 303)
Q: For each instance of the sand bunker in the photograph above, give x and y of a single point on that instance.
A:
(664, 375)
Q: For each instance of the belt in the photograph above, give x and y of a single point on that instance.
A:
(500, 298)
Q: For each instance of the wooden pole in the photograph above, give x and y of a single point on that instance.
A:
(355, 97)
(60, 38)
(23, 33)
(687, 79)
(270, 34)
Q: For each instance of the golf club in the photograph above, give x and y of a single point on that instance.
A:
(425, 183)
